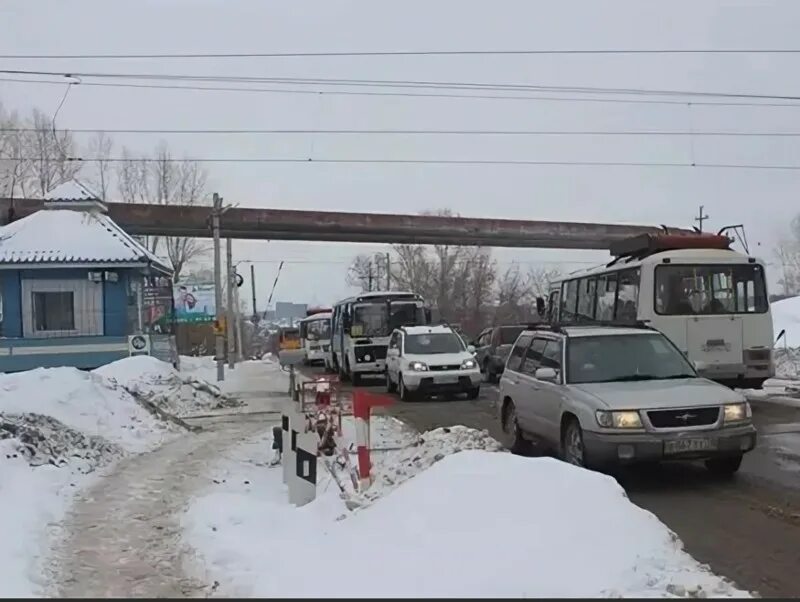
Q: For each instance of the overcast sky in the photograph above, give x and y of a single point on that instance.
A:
(764, 200)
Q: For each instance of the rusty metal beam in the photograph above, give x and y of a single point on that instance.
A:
(282, 224)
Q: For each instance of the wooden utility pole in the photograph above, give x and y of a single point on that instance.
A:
(388, 272)
(700, 218)
(369, 277)
(219, 351)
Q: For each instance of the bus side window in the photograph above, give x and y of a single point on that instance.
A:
(552, 310)
(586, 299)
(570, 301)
(627, 295)
(606, 293)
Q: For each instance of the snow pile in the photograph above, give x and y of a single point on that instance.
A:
(787, 363)
(84, 401)
(786, 316)
(157, 382)
(44, 440)
(396, 467)
(474, 524)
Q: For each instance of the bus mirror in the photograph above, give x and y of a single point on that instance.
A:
(540, 306)
(428, 317)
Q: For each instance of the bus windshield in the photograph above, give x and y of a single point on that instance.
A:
(373, 319)
(710, 289)
(317, 330)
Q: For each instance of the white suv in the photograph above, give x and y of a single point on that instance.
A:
(430, 360)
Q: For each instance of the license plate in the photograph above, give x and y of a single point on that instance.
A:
(447, 379)
(682, 446)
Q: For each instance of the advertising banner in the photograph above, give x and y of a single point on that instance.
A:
(194, 303)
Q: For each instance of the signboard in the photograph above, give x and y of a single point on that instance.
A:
(194, 303)
(157, 304)
(164, 348)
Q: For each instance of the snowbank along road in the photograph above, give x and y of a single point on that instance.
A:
(122, 536)
(746, 529)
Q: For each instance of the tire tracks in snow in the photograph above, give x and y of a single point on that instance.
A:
(122, 536)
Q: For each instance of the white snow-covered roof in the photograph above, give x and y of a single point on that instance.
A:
(67, 236)
(71, 190)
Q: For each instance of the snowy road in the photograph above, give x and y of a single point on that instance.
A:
(746, 529)
(122, 536)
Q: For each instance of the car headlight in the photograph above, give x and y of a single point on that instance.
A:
(628, 419)
(417, 367)
(469, 364)
(737, 412)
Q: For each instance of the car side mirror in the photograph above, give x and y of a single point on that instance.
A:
(699, 365)
(471, 348)
(546, 374)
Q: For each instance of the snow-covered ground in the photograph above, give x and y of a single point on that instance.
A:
(786, 316)
(441, 523)
(59, 427)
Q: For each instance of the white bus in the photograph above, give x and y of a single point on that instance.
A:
(710, 300)
(315, 337)
(362, 326)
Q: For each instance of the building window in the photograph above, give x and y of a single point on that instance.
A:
(53, 311)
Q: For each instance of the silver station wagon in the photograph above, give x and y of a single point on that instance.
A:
(605, 395)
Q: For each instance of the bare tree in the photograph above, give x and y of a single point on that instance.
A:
(514, 296)
(165, 180)
(368, 272)
(539, 279)
(34, 162)
(50, 153)
(100, 148)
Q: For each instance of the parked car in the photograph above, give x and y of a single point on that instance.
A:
(604, 395)
(492, 347)
(429, 360)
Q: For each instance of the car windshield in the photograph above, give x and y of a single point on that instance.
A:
(618, 358)
(509, 334)
(442, 342)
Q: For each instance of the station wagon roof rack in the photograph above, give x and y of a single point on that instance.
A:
(560, 326)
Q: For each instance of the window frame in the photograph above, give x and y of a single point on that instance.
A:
(521, 357)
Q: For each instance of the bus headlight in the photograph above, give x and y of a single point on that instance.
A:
(737, 412)
(628, 419)
(418, 367)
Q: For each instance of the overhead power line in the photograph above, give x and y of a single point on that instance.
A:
(425, 162)
(424, 84)
(392, 132)
(401, 53)
(517, 97)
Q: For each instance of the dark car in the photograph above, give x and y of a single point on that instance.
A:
(492, 347)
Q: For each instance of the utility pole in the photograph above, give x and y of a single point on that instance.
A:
(253, 291)
(388, 272)
(238, 325)
(231, 314)
(701, 218)
(369, 278)
(219, 353)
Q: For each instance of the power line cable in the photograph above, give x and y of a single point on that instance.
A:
(519, 162)
(455, 85)
(410, 94)
(402, 53)
(411, 132)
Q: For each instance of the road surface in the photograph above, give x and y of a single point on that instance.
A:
(747, 529)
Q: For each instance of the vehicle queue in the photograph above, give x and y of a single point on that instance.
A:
(636, 360)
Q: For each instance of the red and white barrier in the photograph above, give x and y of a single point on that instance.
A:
(363, 402)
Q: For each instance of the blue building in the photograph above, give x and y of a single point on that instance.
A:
(74, 286)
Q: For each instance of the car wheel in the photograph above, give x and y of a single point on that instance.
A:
(405, 394)
(390, 386)
(725, 466)
(473, 393)
(512, 434)
(572, 448)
